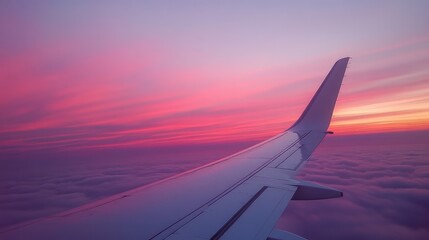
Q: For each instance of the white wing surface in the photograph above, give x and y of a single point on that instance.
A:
(237, 197)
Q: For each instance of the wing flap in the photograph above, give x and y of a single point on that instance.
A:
(258, 220)
(313, 191)
(277, 234)
(215, 216)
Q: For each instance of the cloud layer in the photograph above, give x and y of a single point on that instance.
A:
(384, 177)
(385, 185)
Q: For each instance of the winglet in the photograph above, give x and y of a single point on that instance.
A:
(318, 113)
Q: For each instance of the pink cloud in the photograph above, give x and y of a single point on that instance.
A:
(131, 95)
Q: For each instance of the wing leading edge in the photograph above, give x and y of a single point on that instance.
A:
(237, 197)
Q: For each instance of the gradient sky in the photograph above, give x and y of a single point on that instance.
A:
(102, 74)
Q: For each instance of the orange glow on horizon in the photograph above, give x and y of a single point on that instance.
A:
(141, 95)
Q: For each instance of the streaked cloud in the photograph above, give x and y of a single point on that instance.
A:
(145, 80)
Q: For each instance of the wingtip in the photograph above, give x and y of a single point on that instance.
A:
(343, 59)
(318, 113)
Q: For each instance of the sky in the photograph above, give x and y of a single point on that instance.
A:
(103, 74)
(109, 80)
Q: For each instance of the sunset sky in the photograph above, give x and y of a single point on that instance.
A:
(101, 74)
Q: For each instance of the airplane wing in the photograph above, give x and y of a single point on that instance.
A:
(237, 197)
